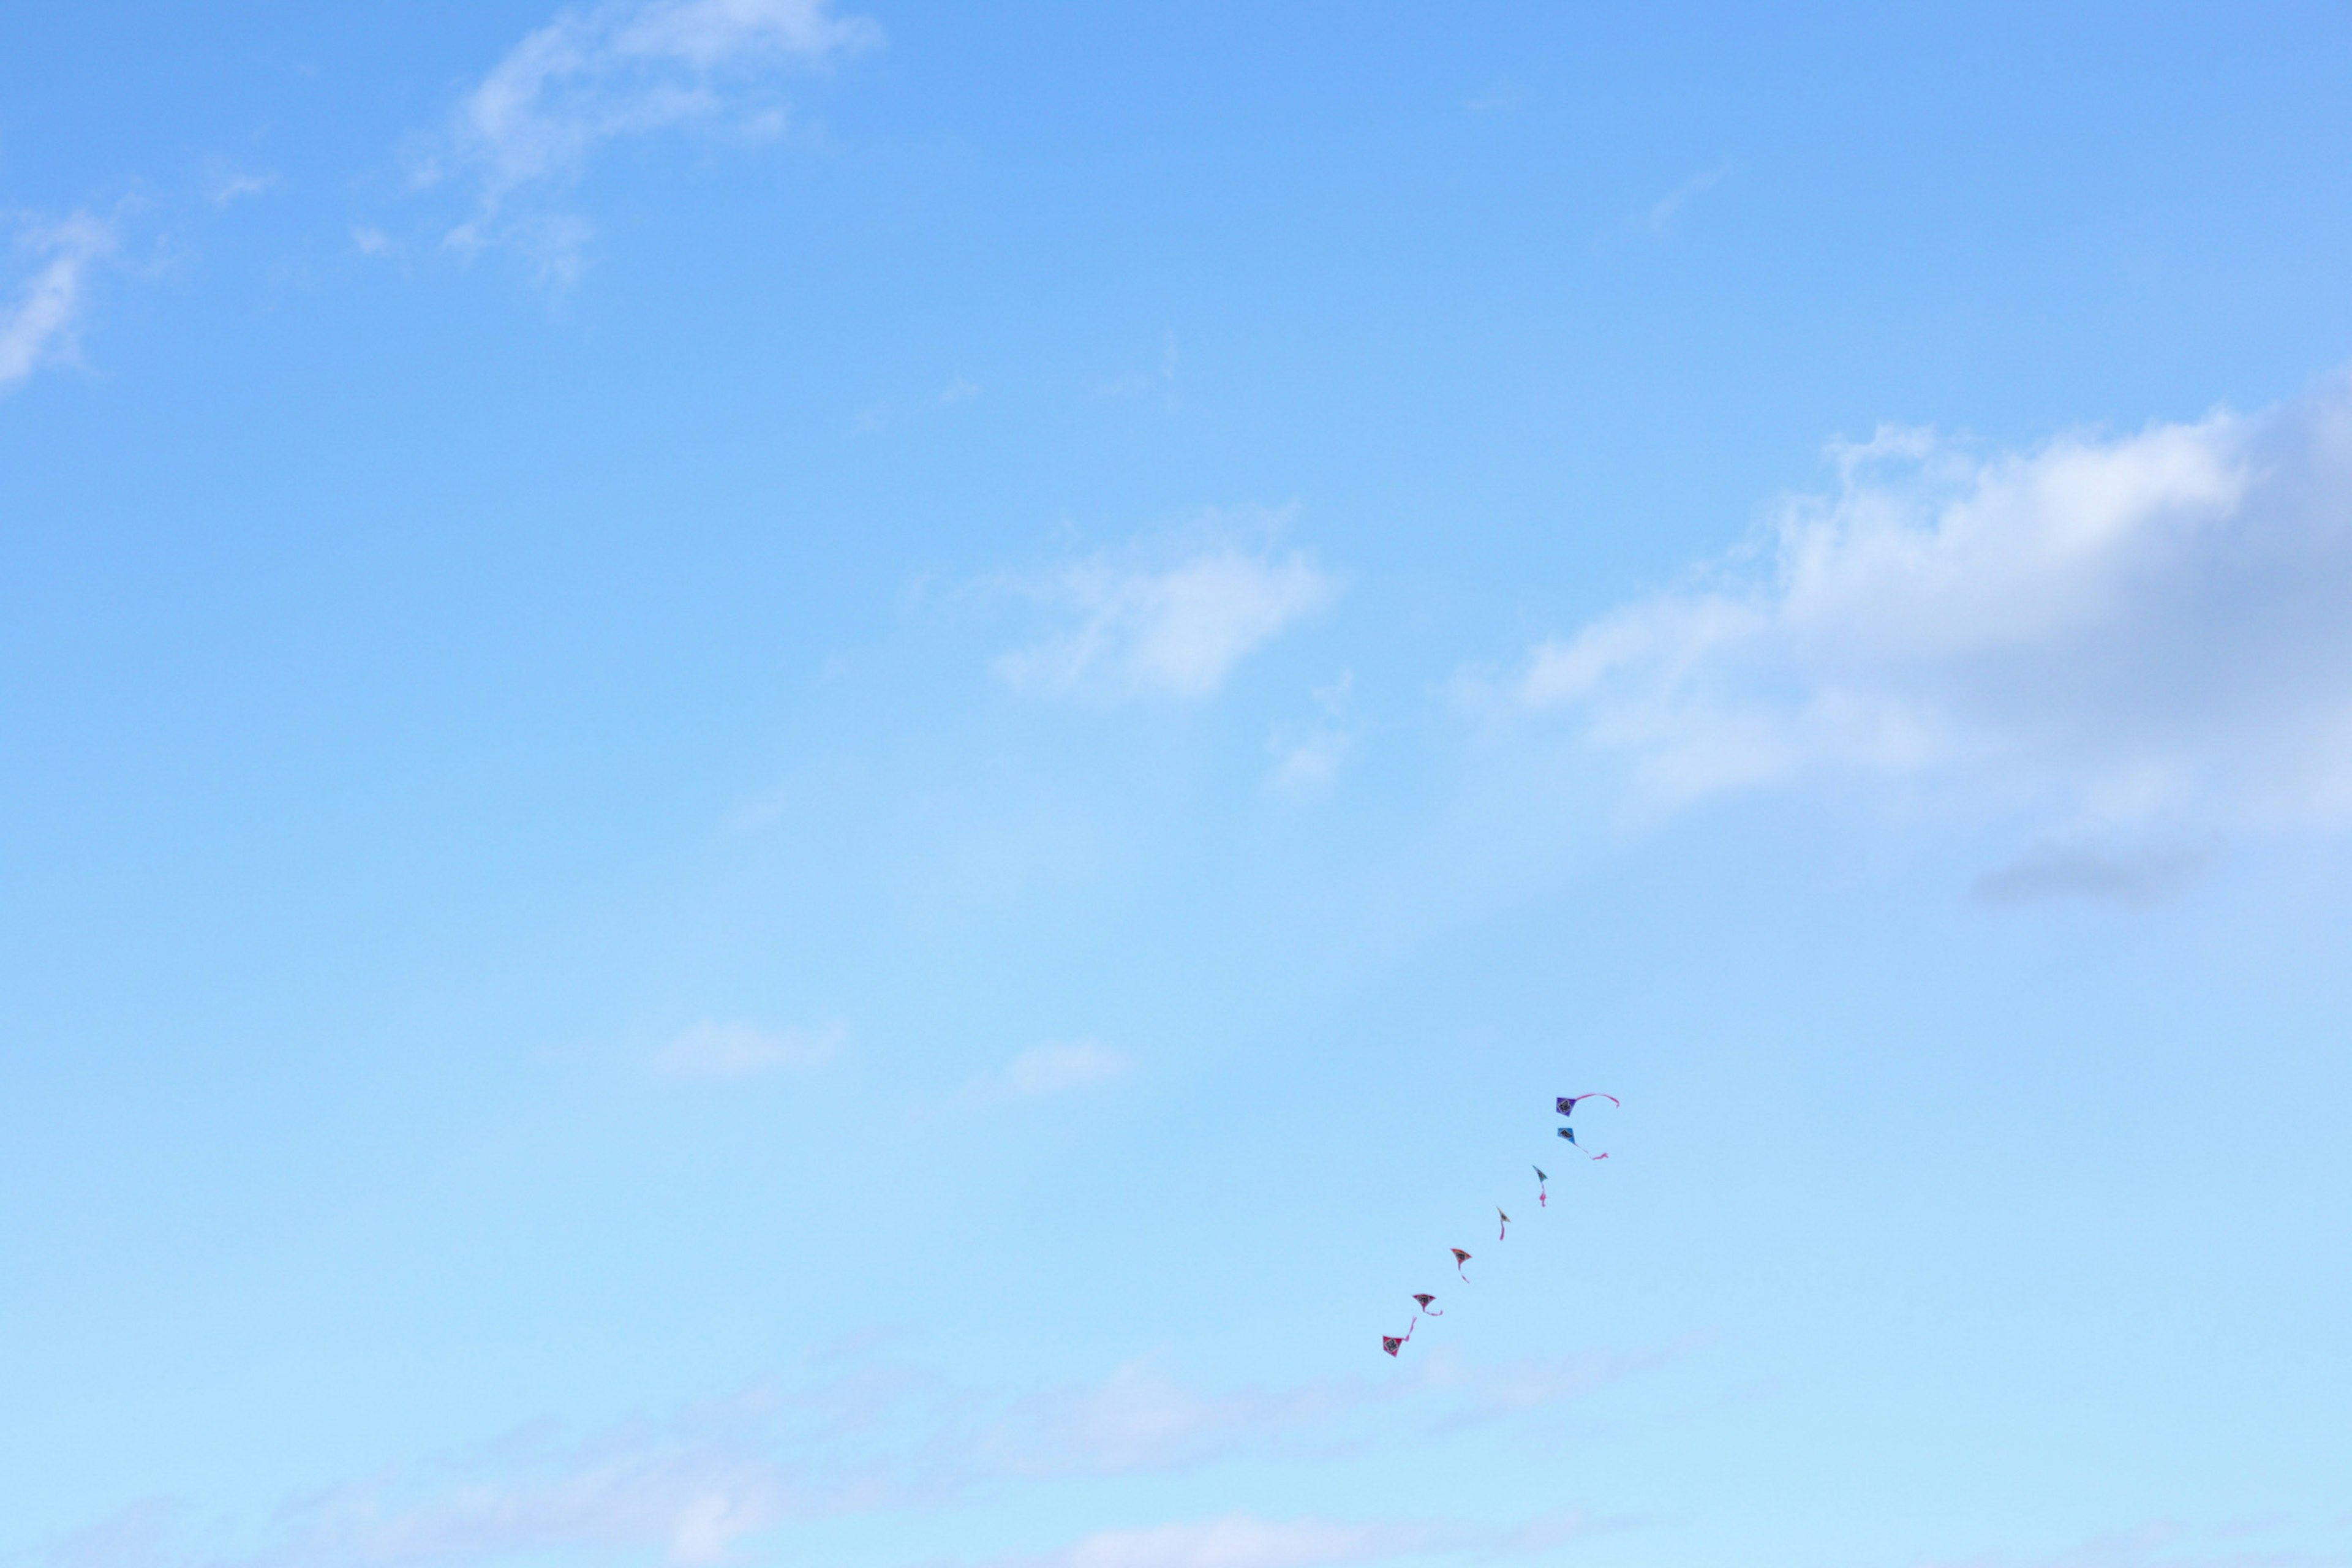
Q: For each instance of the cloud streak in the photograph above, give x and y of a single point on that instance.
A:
(595, 75)
(1172, 631)
(1240, 1541)
(1041, 1071)
(1246, 1540)
(1666, 208)
(715, 1050)
(2171, 1543)
(2128, 629)
(698, 1487)
(37, 325)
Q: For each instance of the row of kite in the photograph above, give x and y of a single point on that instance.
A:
(1565, 1104)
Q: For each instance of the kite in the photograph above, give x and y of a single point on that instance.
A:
(1568, 1102)
(1541, 1202)
(1507, 1224)
(1389, 1342)
(1461, 1258)
(1425, 1299)
(1570, 1134)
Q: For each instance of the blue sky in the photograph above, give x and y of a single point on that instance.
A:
(792, 782)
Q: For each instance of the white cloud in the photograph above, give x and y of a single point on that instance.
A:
(626, 68)
(1240, 1541)
(1666, 208)
(38, 324)
(1306, 760)
(1055, 1068)
(1142, 1418)
(232, 189)
(1176, 630)
(1244, 1541)
(2129, 629)
(691, 1507)
(696, 1485)
(2173, 1543)
(1306, 763)
(715, 1050)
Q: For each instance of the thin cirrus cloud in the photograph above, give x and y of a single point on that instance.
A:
(36, 327)
(2123, 631)
(704, 1483)
(1041, 1071)
(628, 67)
(1173, 630)
(1240, 1540)
(717, 1050)
(1246, 1540)
(1666, 208)
(2175, 1543)
(1142, 1418)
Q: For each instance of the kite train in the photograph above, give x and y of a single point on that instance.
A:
(1565, 1104)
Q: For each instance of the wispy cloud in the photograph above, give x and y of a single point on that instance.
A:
(690, 1507)
(1666, 208)
(1144, 1418)
(1305, 763)
(628, 67)
(1240, 1541)
(2126, 629)
(1162, 380)
(1307, 758)
(2060, 869)
(713, 1050)
(700, 1484)
(1246, 1540)
(37, 325)
(2174, 1543)
(230, 188)
(1055, 1067)
(1176, 629)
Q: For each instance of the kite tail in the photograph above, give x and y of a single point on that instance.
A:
(1600, 1156)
